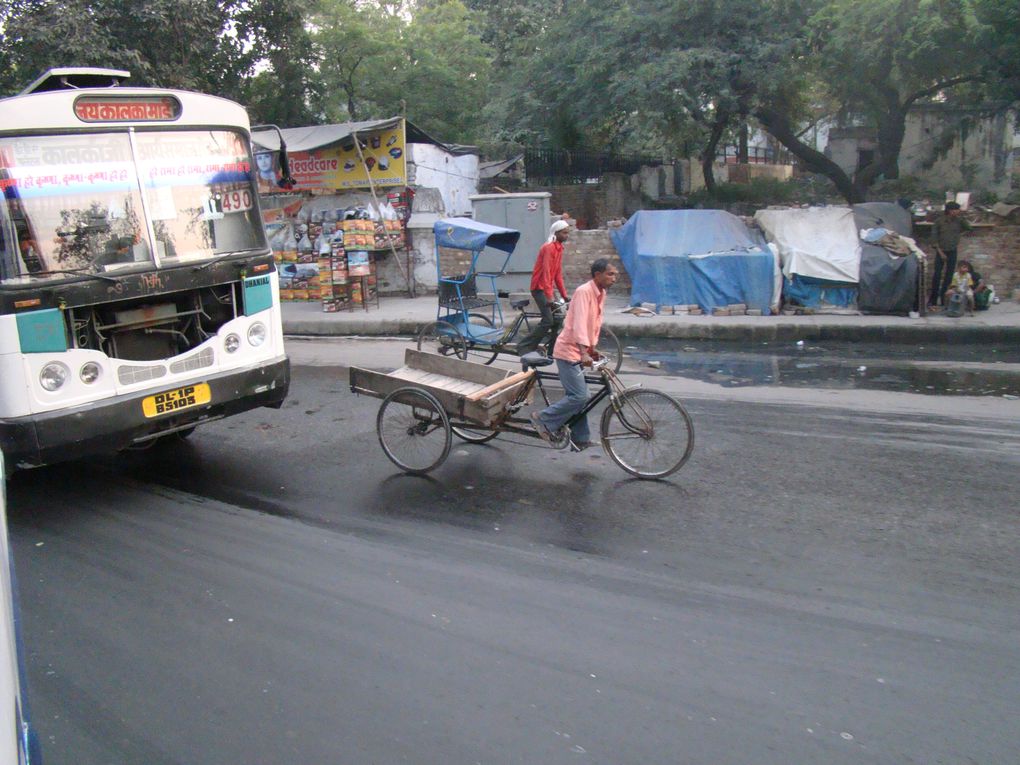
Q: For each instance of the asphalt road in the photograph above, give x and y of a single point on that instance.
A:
(827, 581)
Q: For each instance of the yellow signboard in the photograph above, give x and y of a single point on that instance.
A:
(381, 158)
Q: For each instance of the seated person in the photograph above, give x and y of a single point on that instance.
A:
(963, 284)
(982, 294)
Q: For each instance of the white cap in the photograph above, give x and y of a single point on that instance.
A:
(557, 226)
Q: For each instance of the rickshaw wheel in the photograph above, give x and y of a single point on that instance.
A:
(474, 434)
(414, 430)
(443, 338)
(481, 353)
(648, 433)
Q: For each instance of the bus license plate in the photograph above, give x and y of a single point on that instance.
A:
(172, 401)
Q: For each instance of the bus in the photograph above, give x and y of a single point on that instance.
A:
(138, 294)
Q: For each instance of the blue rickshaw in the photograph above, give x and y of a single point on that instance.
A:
(469, 321)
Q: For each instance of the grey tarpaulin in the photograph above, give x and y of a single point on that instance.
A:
(888, 283)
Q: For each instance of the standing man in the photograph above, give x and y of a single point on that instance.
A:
(547, 274)
(945, 237)
(575, 350)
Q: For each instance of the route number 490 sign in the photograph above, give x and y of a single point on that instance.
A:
(237, 201)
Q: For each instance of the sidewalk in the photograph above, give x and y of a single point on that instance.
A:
(405, 316)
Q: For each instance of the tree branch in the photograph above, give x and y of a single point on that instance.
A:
(940, 86)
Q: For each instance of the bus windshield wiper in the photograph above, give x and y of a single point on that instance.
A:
(76, 272)
(219, 258)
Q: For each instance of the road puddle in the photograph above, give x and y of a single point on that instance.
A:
(940, 371)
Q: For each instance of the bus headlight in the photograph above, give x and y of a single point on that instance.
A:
(53, 376)
(89, 372)
(231, 343)
(257, 334)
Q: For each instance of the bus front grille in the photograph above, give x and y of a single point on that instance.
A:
(198, 361)
(129, 374)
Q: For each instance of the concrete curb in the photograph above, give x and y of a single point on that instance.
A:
(767, 331)
(780, 332)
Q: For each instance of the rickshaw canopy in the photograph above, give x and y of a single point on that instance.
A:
(469, 234)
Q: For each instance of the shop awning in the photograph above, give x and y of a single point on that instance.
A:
(322, 136)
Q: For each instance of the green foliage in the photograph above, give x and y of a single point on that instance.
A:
(648, 76)
(445, 74)
(358, 50)
(760, 192)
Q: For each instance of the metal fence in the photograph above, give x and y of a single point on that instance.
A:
(561, 167)
(756, 155)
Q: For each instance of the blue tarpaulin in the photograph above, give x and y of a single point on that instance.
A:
(704, 257)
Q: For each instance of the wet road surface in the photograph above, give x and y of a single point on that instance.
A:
(953, 370)
(816, 585)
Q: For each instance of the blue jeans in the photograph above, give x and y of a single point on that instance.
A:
(555, 416)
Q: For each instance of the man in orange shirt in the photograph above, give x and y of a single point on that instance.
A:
(575, 350)
(547, 274)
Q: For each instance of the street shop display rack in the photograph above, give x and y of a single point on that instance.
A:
(340, 270)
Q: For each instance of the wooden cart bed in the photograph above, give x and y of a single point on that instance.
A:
(466, 391)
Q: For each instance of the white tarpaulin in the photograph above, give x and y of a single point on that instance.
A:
(820, 242)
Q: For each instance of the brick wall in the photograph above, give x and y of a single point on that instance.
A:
(585, 247)
(994, 251)
(581, 249)
(593, 204)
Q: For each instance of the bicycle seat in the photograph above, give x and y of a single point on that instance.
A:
(535, 359)
(519, 304)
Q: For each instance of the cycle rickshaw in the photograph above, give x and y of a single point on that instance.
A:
(469, 322)
(433, 397)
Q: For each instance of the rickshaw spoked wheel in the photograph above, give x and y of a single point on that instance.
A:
(414, 430)
(443, 338)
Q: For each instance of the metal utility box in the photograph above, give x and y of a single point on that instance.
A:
(527, 213)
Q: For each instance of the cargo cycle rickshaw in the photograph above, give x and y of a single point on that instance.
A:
(469, 321)
(434, 397)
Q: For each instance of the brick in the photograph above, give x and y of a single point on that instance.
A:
(994, 251)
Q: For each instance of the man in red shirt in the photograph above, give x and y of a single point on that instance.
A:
(547, 274)
(575, 349)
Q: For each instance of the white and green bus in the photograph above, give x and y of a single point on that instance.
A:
(138, 294)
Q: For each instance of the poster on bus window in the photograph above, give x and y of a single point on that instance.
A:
(382, 158)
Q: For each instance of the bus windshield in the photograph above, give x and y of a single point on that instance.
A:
(85, 202)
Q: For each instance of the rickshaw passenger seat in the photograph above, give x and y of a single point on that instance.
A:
(535, 359)
(461, 293)
(519, 304)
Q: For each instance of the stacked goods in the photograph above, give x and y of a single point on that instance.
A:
(358, 233)
(388, 233)
(334, 277)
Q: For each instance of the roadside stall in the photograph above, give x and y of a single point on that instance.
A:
(340, 220)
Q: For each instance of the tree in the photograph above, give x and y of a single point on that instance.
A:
(284, 91)
(445, 73)
(42, 34)
(879, 58)
(1000, 39)
(171, 43)
(686, 69)
(359, 52)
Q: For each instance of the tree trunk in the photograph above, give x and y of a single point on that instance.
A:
(892, 126)
(708, 155)
(742, 148)
(778, 124)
